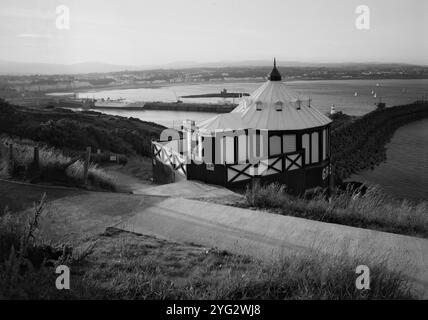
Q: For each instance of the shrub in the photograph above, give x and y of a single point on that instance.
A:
(96, 175)
(268, 196)
(25, 262)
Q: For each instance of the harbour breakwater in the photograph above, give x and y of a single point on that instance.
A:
(360, 143)
(198, 107)
(173, 106)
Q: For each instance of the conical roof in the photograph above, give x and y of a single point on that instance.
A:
(275, 75)
(273, 106)
(221, 122)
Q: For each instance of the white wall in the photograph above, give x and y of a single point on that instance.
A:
(324, 144)
(315, 147)
(305, 145)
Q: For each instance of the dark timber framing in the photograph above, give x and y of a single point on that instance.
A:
(293, 171)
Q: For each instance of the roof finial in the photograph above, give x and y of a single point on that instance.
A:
(275, 75)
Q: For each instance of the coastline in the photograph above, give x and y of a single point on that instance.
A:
(360, 144)
(404, 173)
(175, 84)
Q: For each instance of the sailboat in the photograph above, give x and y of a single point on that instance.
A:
(374, 96)
(355, 94)
(372, 92)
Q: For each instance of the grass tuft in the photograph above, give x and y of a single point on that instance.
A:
(373, 210)
(53, 167)
(124, 265)
(129, 266)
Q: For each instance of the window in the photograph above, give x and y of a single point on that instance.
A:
(315, 149)
(258, 138)
(274, 145)
(200, 146)
(230, 149)
(278, 105)
(306, 146)
(288, 143)
(242, 148)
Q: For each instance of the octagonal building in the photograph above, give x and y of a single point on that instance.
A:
(273, 135)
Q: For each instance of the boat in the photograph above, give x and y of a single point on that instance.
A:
(116, 103)
(355, 94)
(223, 94)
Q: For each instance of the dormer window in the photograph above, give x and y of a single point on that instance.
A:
(259, 105)
(278, 105)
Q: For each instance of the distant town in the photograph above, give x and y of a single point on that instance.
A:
(19, 86)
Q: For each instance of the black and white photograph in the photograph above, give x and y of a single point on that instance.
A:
(213, 158)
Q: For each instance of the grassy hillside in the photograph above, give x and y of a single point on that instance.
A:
(76, 130)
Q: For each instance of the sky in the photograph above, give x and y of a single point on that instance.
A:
(146, 32)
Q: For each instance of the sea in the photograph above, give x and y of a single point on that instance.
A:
(404, 175)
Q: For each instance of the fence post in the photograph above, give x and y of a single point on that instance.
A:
(36, 157)
(86, 165)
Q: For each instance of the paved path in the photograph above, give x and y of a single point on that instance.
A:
(270, 236)
(189, 189)
(242, 231)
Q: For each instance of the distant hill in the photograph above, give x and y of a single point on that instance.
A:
(10, 67)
